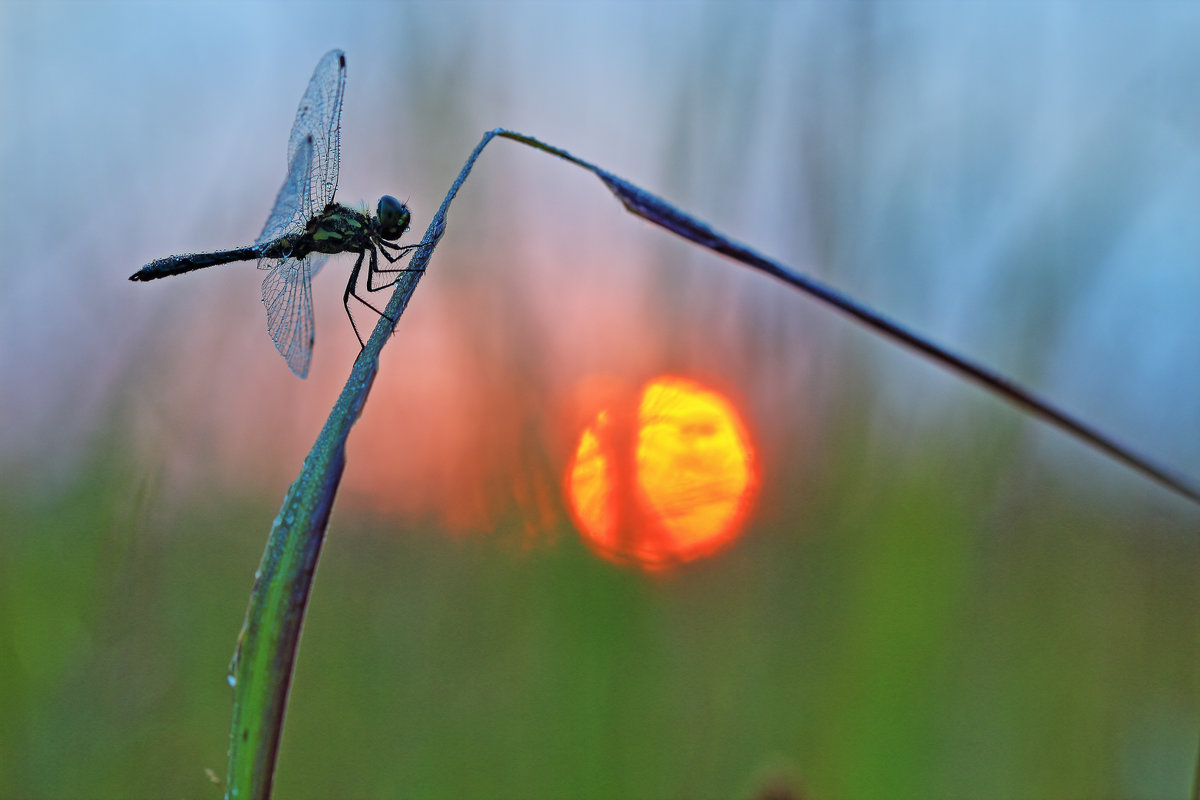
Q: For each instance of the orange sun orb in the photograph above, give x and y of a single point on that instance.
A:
(667, 482)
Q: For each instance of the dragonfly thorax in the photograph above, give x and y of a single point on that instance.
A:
(337, 229)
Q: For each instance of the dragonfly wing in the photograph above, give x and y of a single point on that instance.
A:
(315, 262)
(319, 119)
(287, 294)
(290, 213)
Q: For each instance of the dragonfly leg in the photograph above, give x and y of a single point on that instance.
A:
(371, 273)
(392, 259)
(349, 291)
(400, 249)
(371, 268)
(404, 248)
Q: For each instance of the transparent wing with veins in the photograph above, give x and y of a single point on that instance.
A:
(287, 289)
(314, 151)
(319, 118)
(287, 294)
(289, 216)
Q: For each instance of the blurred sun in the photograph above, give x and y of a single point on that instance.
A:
(667, 481)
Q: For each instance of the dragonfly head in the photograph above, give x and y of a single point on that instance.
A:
(393, 218)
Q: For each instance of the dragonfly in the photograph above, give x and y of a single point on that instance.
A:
(306, 226)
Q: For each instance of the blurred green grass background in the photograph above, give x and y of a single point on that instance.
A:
(879, 638)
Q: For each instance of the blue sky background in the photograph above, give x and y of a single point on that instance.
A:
(1018, 181)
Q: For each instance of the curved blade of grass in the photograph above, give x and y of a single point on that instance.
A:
(261, 670)
(654, 209)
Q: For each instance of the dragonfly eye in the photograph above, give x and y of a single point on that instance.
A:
(393, 217)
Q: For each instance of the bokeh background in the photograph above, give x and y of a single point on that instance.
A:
(933, 595)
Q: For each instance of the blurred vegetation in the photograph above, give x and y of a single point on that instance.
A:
(917, 610)
(906, 622)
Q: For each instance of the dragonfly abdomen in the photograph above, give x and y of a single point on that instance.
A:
(177, 265)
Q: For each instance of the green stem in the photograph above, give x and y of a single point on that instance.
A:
(263, 662)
